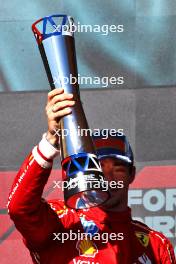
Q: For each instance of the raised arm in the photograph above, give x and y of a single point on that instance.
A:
(32, 215)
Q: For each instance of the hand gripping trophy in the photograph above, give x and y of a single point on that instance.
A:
(81, 169)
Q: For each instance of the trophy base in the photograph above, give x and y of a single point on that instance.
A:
(87, 199)
(85, 181)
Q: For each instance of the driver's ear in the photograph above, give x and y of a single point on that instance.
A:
(132, 174)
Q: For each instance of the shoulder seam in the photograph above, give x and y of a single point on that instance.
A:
(139, 224)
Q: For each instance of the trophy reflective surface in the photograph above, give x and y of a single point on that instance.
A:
(81, 170)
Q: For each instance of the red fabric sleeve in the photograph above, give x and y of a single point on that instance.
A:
(168, 256)
(32, 215)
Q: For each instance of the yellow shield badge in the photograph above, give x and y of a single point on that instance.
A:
(143, 238)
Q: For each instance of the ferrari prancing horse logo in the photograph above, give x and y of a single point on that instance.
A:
(143, 238)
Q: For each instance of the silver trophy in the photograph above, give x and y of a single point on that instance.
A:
(81, 169)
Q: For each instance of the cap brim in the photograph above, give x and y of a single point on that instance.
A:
(120, 157)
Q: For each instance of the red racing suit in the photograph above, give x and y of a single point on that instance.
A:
(55, 234)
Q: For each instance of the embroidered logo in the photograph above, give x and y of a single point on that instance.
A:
(89, 226)
(86, 248)
(143, 238)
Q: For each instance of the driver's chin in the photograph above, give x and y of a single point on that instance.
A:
(110, 204)
(113, 201)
